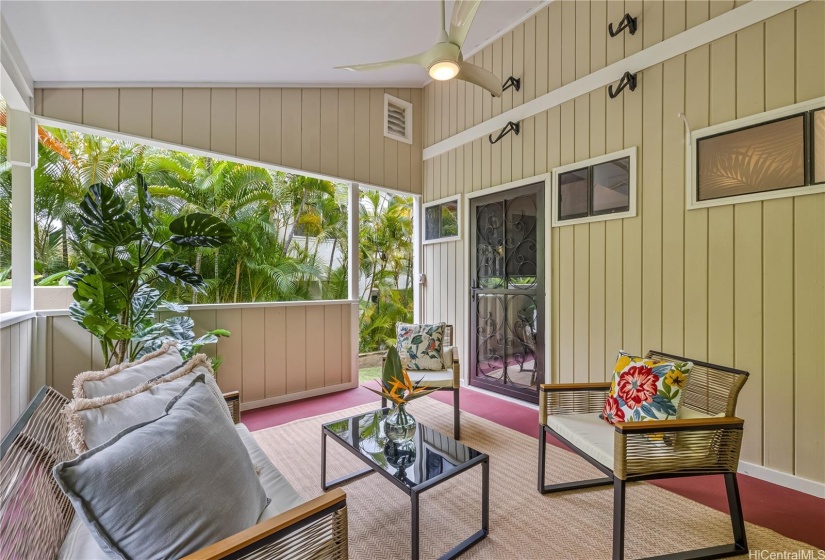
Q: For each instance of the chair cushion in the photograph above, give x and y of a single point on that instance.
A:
(588, 432)
(122, 377)
(420, 346)
(93, 422)
(644, 389)
(443, 378)
(143, 493)
(80, 545)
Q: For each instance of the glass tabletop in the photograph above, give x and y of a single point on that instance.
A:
(430, 454)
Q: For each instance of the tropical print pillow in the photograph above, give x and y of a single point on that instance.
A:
(420, 346)
(644, 389)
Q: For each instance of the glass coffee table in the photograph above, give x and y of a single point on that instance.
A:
(424, 463)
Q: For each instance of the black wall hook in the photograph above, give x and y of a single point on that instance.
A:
(511, 127)
(627, 81)
(511, 82)
(627, 22)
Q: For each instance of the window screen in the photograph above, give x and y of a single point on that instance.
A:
(760, 158)
(441, 220)
(819, 146)
(611, 187)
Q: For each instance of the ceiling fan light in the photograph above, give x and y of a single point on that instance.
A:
(443, 70)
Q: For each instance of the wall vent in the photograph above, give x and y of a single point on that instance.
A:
(398, 119)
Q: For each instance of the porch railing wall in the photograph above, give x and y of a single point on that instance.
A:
(277, 352)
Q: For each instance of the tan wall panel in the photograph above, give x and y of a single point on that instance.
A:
(254, 363)
(224, 120)
(197, 117)
(809, 326)
(231, 349)
(315, 343)
(310, 131)
(334, 353)
(167, 114)
(296, 350)
(275, 351)
(100, 108)
(329, 132)
(248, 123)
(281, 127)
(690, 282)
(271, 125)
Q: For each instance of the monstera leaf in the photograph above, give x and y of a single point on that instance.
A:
(145, 205)
(200, 230)
(105, 219)
(94, 289)
(144, 303)
(92, 317)
(179, 273)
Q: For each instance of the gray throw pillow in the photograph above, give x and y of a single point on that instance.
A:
(126, 376)
(93, 422)
(168, 487)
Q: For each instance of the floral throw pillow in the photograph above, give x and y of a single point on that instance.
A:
(420, 346)
(644, 389)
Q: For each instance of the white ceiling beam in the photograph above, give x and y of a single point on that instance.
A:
(716, 28)
(16, 85)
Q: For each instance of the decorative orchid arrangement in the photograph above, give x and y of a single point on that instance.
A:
(395, 384)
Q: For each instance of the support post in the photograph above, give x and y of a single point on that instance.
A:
(22, 154)
(352, 230)
(418, 288)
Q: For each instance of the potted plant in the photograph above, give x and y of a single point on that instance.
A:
(122, 259)
(396, 385)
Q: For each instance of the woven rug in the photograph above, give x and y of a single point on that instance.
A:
(523, 523)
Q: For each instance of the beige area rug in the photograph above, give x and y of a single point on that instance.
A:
(523, 523)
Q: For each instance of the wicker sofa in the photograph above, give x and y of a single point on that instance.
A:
(38, 521)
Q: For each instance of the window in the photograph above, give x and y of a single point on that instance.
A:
(441, 220)
(601, 188)
(770, 155)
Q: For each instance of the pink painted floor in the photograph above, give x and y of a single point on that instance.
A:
(788, 512)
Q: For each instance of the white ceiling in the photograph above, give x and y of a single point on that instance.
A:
(242, 42)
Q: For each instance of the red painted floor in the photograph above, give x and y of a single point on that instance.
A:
(788, 512)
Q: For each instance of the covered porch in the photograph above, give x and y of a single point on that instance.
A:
(554, 224)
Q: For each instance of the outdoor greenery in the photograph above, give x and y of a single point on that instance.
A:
(289, 231)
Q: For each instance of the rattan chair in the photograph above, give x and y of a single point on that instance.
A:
(35, 515)
(706, 439)
(448, 379)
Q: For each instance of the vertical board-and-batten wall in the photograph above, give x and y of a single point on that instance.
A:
(333, 132)
(276, 353)
(16, 370)
(741, 285)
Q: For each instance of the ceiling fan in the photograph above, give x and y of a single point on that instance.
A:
(443, 61)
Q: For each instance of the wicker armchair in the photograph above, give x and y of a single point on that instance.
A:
(35, 515)
(448, 379)
(705, 440)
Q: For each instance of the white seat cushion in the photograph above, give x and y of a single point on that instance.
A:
(588, 432)
(80, 545)
(443, 378)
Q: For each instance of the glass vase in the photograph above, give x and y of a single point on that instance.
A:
(399, 426)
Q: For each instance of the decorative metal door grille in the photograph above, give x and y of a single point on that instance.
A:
(507, 291)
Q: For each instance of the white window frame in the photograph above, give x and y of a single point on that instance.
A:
(629, 153)
(408, 119)
(691, 181)
(454, 198)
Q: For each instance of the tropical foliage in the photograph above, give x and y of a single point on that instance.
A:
(121, 255)
(289, 231)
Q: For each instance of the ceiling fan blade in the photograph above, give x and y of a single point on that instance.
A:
(463, 13)
(480, 77)
(415, 59)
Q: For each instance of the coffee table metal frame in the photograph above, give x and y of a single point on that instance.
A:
(414, 493)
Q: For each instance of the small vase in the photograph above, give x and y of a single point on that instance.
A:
(399, 426)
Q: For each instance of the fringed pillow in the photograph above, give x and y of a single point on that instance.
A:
(93, 422)
(128, 375)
